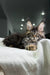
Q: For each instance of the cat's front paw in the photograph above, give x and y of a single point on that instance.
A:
(31, 47)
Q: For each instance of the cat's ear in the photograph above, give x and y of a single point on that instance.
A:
(41, 27)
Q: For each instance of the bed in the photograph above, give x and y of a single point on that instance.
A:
(14, 61)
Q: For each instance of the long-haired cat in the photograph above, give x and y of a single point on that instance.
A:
(28, 40)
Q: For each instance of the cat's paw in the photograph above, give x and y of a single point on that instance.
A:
(31, 47)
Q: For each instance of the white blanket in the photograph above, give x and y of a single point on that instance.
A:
(16, 61)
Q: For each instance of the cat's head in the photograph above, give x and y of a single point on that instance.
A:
(33, 36)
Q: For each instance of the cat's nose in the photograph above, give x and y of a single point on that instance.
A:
(34, 36)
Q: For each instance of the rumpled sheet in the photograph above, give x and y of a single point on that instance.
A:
(16, 61)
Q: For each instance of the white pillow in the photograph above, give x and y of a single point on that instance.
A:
(1, 43)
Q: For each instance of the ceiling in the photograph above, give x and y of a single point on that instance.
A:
(2, 14)
(24, 7)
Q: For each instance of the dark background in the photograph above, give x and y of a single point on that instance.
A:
(12, 11)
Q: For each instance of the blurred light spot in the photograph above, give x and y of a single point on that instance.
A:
(21, 28)
(33, 24)
(22, 19)
(43, 13)
(22, 25)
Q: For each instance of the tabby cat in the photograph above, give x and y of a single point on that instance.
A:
(27, 41)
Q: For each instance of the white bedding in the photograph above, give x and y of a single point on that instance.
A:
(16, 61)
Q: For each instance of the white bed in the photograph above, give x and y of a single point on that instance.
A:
(16, 61)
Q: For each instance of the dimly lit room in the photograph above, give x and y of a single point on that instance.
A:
(24, 37)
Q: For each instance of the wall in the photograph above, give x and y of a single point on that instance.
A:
(3, 27)
(9, 27)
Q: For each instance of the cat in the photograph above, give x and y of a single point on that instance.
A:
(27, 41)
(32, 37)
